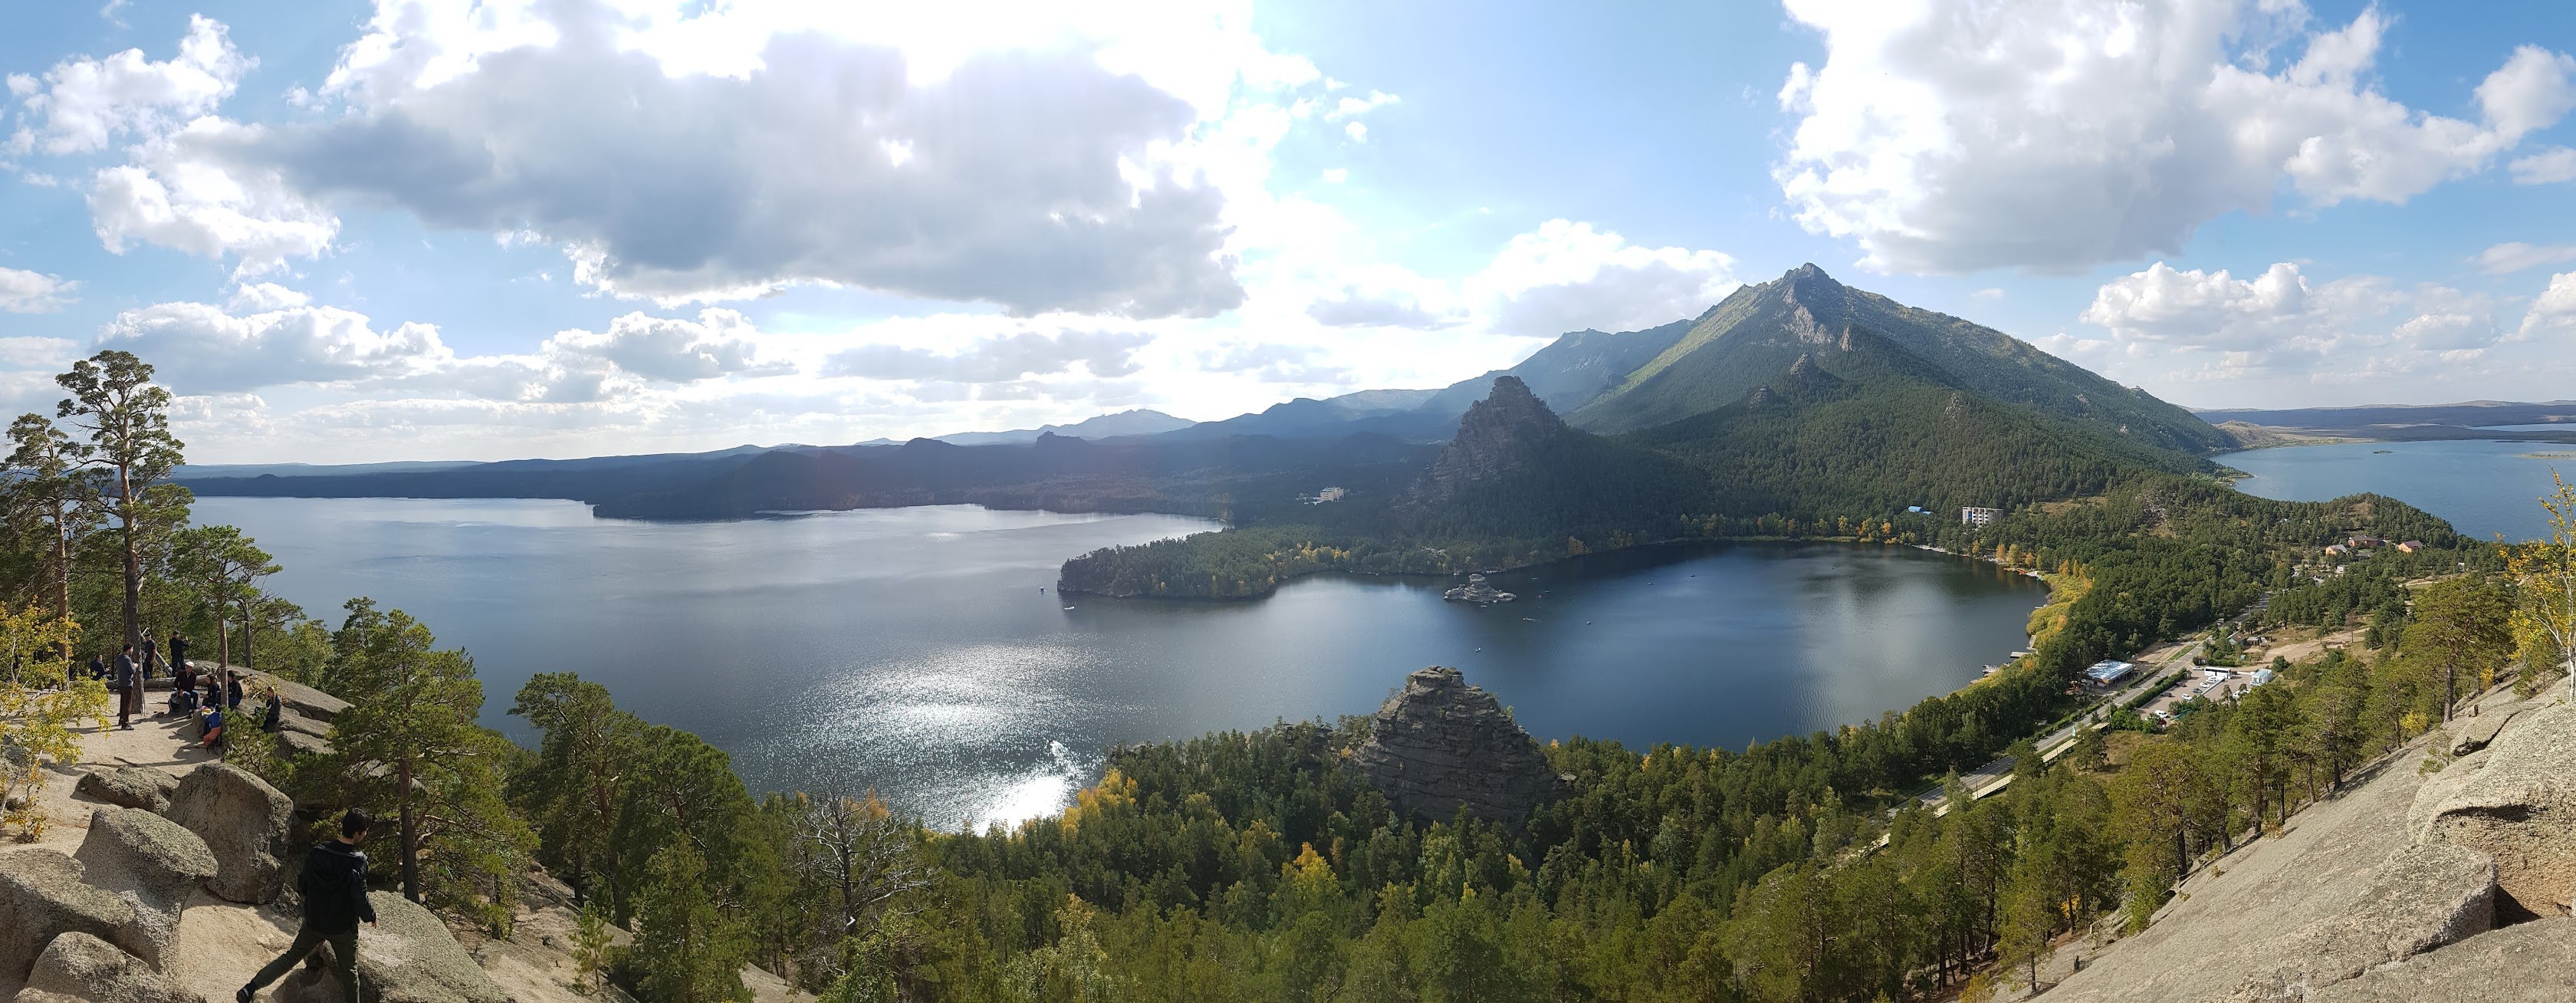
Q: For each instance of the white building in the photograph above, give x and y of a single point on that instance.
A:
(1975, 516)
(1330, 494)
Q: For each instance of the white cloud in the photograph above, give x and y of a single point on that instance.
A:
(199, 348)
(186, 192)
(2213, 326)
(2554, 312)
(719, 343)
(1274, 362)
(271, 336)
(1957, 135)
(260, 297)
(23, 291)
(2514, 256)
(1353, 107)
(1566, 276)
(83, 103)
(2531, 92)
(2547, 167)
(995, 359)
(1990, 295)
(32, 352)
(1032, 157)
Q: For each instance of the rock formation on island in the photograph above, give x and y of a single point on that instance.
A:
(1498, 436)
(1438, 744)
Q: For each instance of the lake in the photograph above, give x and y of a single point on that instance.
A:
(2484, 488)
(923, 652)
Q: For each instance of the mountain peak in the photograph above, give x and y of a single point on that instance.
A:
(1497, 435)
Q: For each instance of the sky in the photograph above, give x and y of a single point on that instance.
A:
(354, 232)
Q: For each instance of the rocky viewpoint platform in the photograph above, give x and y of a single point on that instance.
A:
(163, 876)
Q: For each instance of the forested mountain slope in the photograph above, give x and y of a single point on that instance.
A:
(1858, 425)
(1762, 328)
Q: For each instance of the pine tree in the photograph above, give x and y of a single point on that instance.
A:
(410, 734)
(686, 949)
(127, 422)
(2463, 627)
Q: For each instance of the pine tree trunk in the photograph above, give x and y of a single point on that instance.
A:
(410, 835)
(62, 572)
(246, 624)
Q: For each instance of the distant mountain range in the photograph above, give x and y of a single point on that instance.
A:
(1799, 395)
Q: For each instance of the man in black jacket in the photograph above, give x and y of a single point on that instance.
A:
(128, 684)
(334, 886)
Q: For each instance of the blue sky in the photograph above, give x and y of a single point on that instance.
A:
(366, 231)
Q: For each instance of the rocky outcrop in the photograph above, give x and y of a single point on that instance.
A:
(1498, 436)
(78, 966)
(41, 898)
(151, 863)
(129, 787)
(245, 822)
(407, 957)
(2528, 963)
(2521, 810)
(2422, 898)
(1439, 744)
(2469, 734)
(1478, 591)
(2405, 886)
(298, 697)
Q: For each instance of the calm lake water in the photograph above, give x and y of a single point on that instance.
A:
(924, 652)
(2483, 488)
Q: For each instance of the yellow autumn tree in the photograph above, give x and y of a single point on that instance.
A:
(41, 706)
(2545, 569)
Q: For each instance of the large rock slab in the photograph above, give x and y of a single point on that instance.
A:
(2526, 963)
(2438, 788)
(1439, 744)
(247, 824)
(151, 863)
(303, 699)
(129, 787)
(407, 957)
(2521, 810)
(2421, 898)
(2469, 734)
(2232, 919)
(82, 967)
(41, 898)
(300, 744)
(290, 721)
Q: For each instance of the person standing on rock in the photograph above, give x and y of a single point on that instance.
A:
(127, 681)
(334, 886)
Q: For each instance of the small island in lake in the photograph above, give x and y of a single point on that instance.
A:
(1477, 591)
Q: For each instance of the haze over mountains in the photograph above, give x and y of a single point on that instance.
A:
(1790, 395)
(1786, 389)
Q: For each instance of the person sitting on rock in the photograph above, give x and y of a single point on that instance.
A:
(334, 886)
(183, 690)
(213, 727)
(273, 714)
